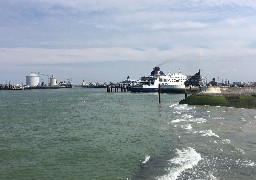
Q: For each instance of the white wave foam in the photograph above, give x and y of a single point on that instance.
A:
(195, 120)
(183, 107)
(240, 150)
(178, 120)
(245, 163)
(218, 118)
(206, 133)
(242, 119)
(211, 176)
(199, 120)
(226, 141)
(249, 164)
(146, 159)
(187, 116)
(187, 126)
(174, 105)
(185, 159)
(176, 112)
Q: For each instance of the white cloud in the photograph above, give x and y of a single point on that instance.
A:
(61, 31)
(30, 56)
(179, 25)
(132, 3)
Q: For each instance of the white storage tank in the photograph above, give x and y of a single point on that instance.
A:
(32, 79)
(53, 81)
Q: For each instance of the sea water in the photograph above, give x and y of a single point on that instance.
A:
(84, 133)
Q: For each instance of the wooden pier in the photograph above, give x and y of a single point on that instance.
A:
(117, 88)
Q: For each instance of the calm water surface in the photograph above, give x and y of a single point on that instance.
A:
(90, 134)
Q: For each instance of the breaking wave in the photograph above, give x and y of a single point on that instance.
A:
(186, 158)
(146, 159)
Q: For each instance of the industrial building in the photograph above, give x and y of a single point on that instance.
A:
(32, 80)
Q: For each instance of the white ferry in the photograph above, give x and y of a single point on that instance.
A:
(150, 83)
(176, 83)
(169, 83)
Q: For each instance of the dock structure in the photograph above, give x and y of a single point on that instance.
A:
(117, 88)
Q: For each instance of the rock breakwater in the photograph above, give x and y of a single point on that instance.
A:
(239, 97)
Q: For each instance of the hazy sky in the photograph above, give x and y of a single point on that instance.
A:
(107, 40)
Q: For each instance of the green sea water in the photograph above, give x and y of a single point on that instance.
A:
(89, 134)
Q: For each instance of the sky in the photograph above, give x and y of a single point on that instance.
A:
(108, 40)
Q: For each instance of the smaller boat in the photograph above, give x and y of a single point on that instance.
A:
(65, 85)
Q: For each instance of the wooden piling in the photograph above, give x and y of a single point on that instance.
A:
(159, 92)
(117, 88)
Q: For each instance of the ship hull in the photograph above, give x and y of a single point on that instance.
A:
(163, 89)
(173, 88)
(143, 89)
